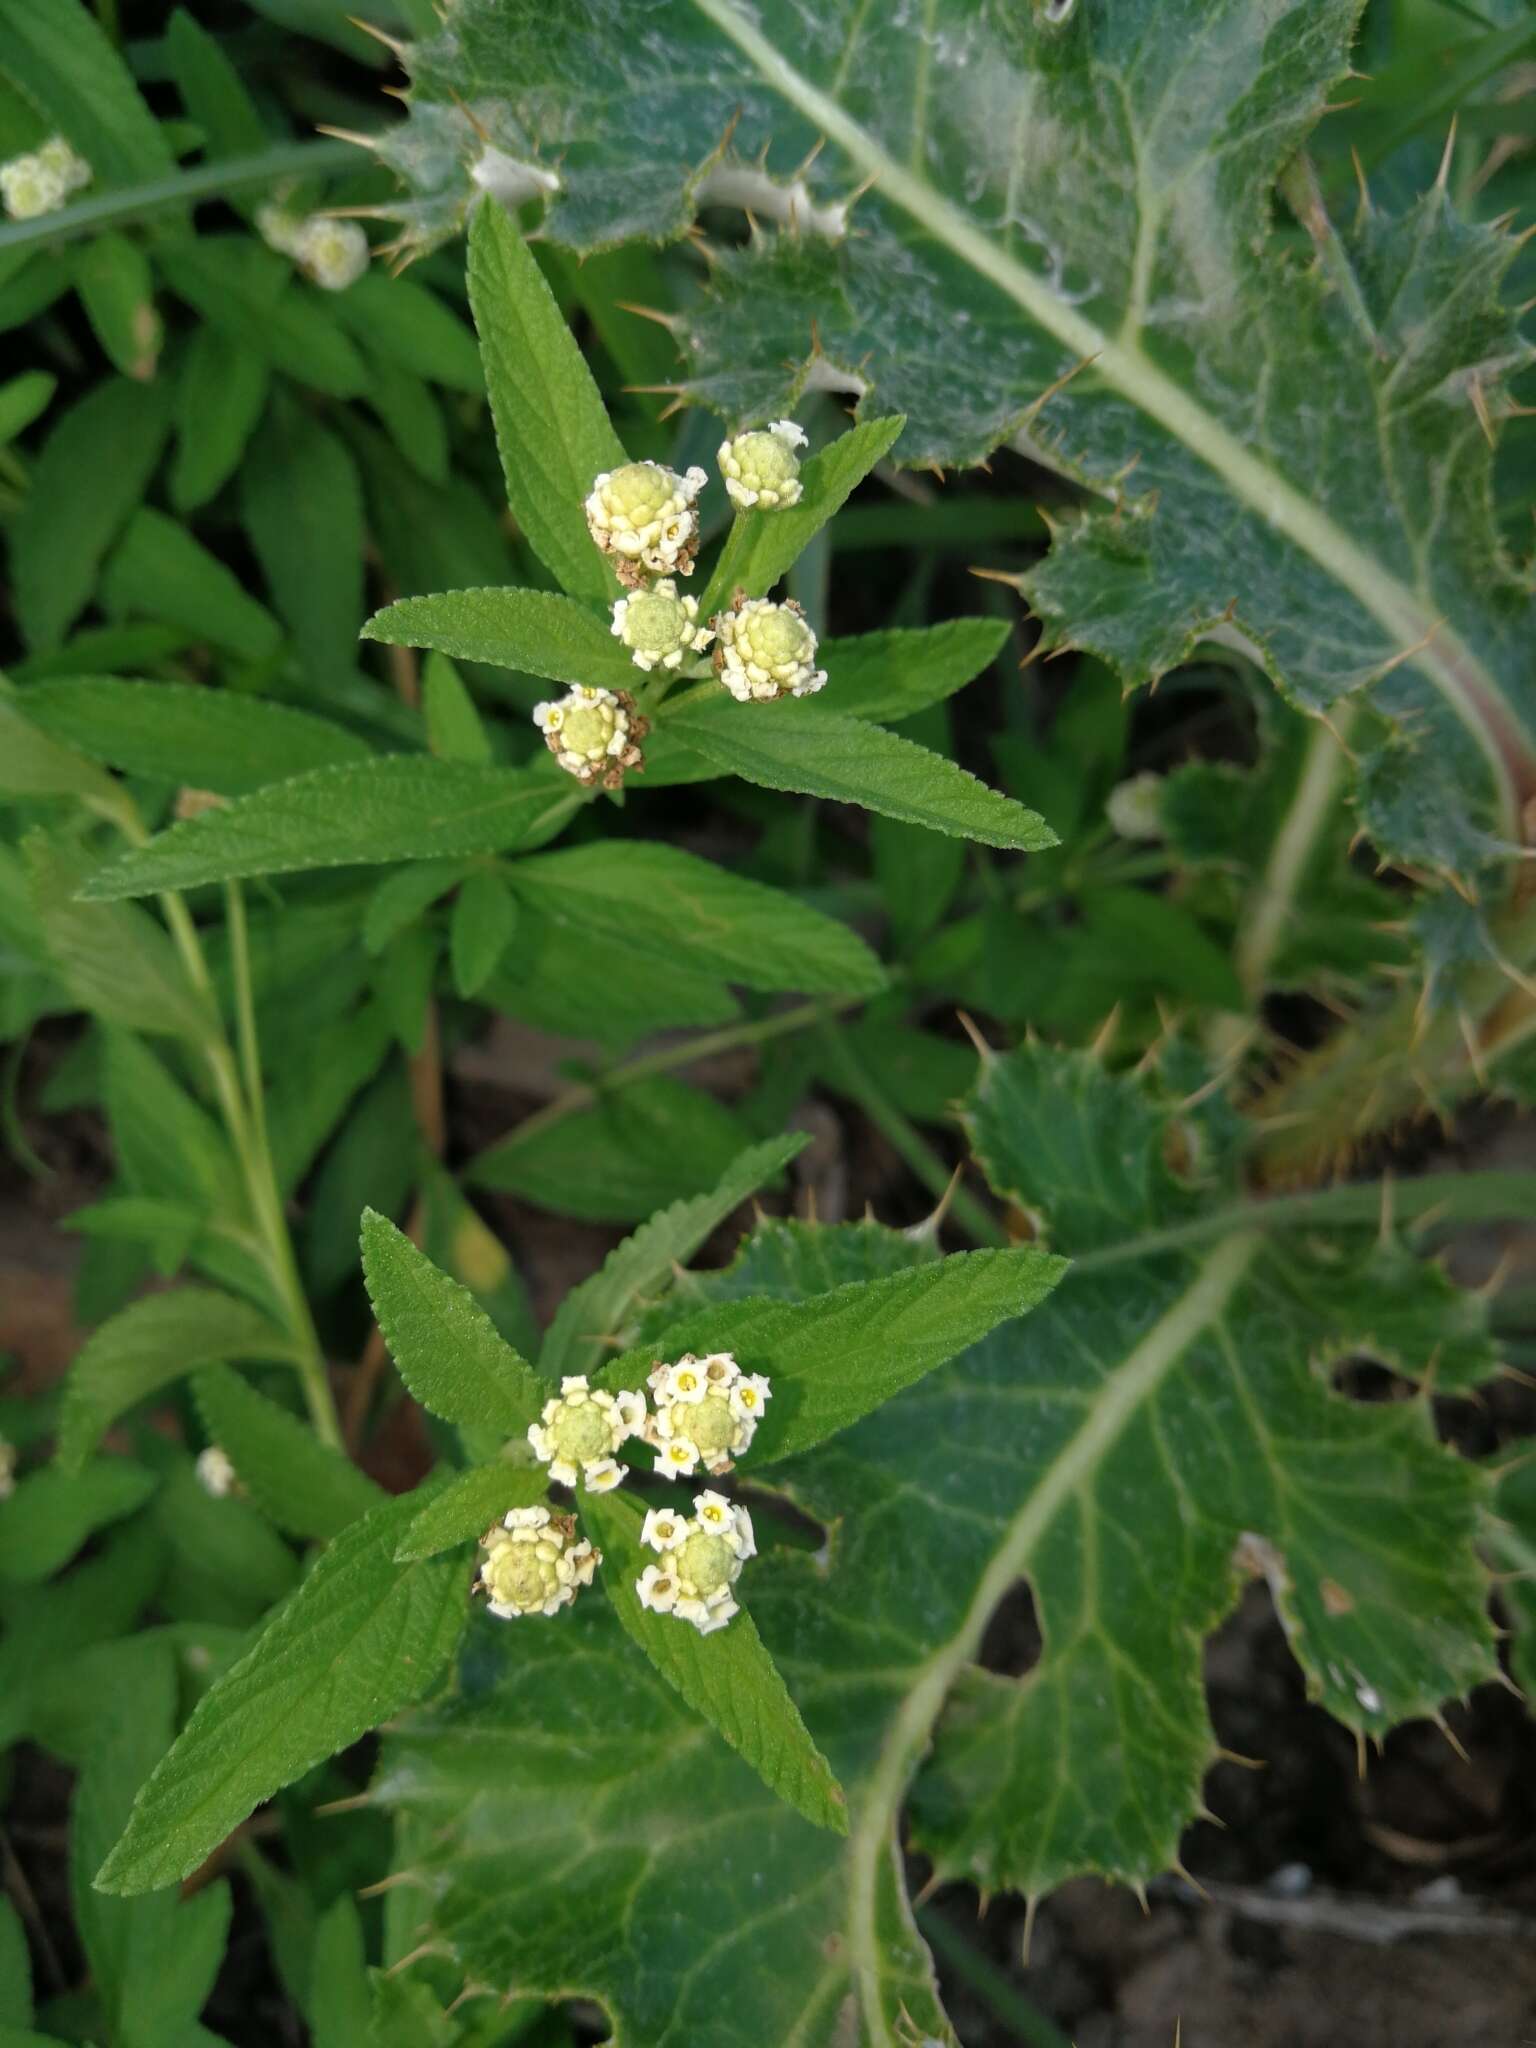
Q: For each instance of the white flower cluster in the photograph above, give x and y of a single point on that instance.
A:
(580, 1431)
(642, 515)
(766, 650)
(705, 1412)
(659, 627)
(701, 1559)
(761, 467)
(40, 180)
(216, 1472)
(532, 1564)
(331, 253)
(1135, 807)
(593, 733)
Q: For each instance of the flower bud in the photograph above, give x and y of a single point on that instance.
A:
(216, 1472)
(532, 1564)
(701, 1559)
(766, 650)
(642, 515)
(580, 1430)
(658, 626)
(279, 228)
(593, 733)
(706, 1412)
(760, 468)
(58, 155)
(331, 253)
(1135, 808)
(29, 188)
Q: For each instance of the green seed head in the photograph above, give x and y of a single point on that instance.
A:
(587, 730)
(581, 1432)
(707, 1563)
(709, 1424)
(522, 1575)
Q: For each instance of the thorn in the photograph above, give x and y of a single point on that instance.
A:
(926, 1890)
(346, 135)
(1397, 661)
(1193, 1882)
(1247, 1763)
(426, 1948)
(1450, 1735)
(1104, 1037)
(928, 1229)
(1474, 1050)
(1141, 1897)
(1360, 1758)
(1032, 412)
(391, 43)
(389, 1884)
(356, 1804)
(1014, 582)
(1480, 406)
(984, 1051)
(671, 321)
(1031, 1902)
(1443, 175)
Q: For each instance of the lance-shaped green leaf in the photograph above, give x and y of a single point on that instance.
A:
(592, 1314)
(821, 753)
(213, 739)
(470, 1503)
(300, 1484)
(362, 1637)
(537, 631)
(145, 1347)
(401, 807)
(727, 1676)
(445, 1346)
(836, 1357)
(1290, 451)
(761, 545)
(551, 426)
(681, 907)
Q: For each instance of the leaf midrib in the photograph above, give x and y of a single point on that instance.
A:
(1465, 683)
(1126, 1390)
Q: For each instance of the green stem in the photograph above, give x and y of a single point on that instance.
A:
(220, 180)
(246, 1125)
(1430, 1199)
(855, 1080)
(250, 1136)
